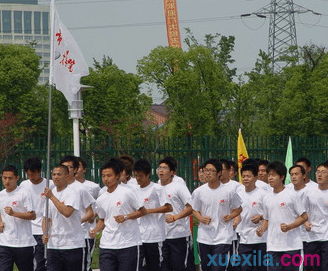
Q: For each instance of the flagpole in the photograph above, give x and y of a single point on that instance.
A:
(52, 19)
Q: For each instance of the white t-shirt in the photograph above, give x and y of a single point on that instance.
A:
(152, 226)
(39, 200)
(127, 185)
(317, 209)
(215, 203)
(85, 201)
(179, 196)
(233, 185)
(17, 232)
(264, 185)
(283, 207)
(115, 235)
(66, 232)
(133, 181)
(93, 189)
(252, 204)
(176, 179)
(311, 184)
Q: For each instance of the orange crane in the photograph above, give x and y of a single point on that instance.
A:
(172, 23)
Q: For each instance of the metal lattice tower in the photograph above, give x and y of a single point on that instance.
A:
(282, 32)
(282, 29)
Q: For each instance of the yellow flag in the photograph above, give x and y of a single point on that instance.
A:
(241, 152)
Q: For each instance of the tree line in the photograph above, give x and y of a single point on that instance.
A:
(200, 86)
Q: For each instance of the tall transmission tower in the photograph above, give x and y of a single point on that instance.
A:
(282, 29)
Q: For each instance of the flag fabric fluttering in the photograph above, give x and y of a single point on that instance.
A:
(289, 160)
(241, 152)
(68, 62)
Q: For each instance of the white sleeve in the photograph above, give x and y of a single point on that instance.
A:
(28, 202)
(195, 200)
(86, 198)
(134, 201)
(100, 211)
(298, 205)
(184, 194)
(163, 198)
(235, 200)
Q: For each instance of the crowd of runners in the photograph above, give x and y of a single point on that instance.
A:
(258, 223)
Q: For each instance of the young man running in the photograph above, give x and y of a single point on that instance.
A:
(35, 185)
(16, 212)
(284, 213)
(118, 210)
(152, 226)
(177, 247)
(215, 206)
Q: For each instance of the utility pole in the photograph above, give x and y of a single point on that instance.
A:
(282, 30)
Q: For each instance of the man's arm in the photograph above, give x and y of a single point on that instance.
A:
(66, 211)
(298, 222)
(26, 216)
(99, 227)
(233, 213)
(185, 212)
(160, 210)
(139, 213)
(264, 226)
(203, 219)
(88, 215)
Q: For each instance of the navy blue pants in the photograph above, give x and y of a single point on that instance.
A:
(151, 255)
(64, 259)
(39, 254)
(254, 253)
(316, 256)
(88, 250)
(21, 256)
(219, 253)
(178, 254)
(125, 259)
(283, 256)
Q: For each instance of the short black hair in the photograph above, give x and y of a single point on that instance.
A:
(114, 164)
(226, 163)
(234, 165)
(263, 162)
(173, 160)
(10, 168)
(249, 161)
(83, 162)
(63, 167)
(297, 166)
(119, 162)
(279, 168)
(323, 165)
(169, 163)
(304, 160)
(214, 162)
(142, 165)
(250, 167)
(128, 162)
(71, 158)
(33, 164)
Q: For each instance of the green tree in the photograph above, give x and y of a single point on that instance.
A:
(196, 83)
(114, 104)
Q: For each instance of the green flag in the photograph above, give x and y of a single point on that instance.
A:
(289, 160)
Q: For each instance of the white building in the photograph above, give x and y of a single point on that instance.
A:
(25, 22)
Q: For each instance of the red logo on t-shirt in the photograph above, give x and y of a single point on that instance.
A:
(169, 195)
(254, 203)
(14, 203)
(146, 199)
(282, 205)
(118, 203)
(42, 194)
(222, 201)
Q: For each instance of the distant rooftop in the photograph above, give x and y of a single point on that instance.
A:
(26, 2)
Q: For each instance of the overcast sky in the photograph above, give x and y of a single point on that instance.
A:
(127, 30)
